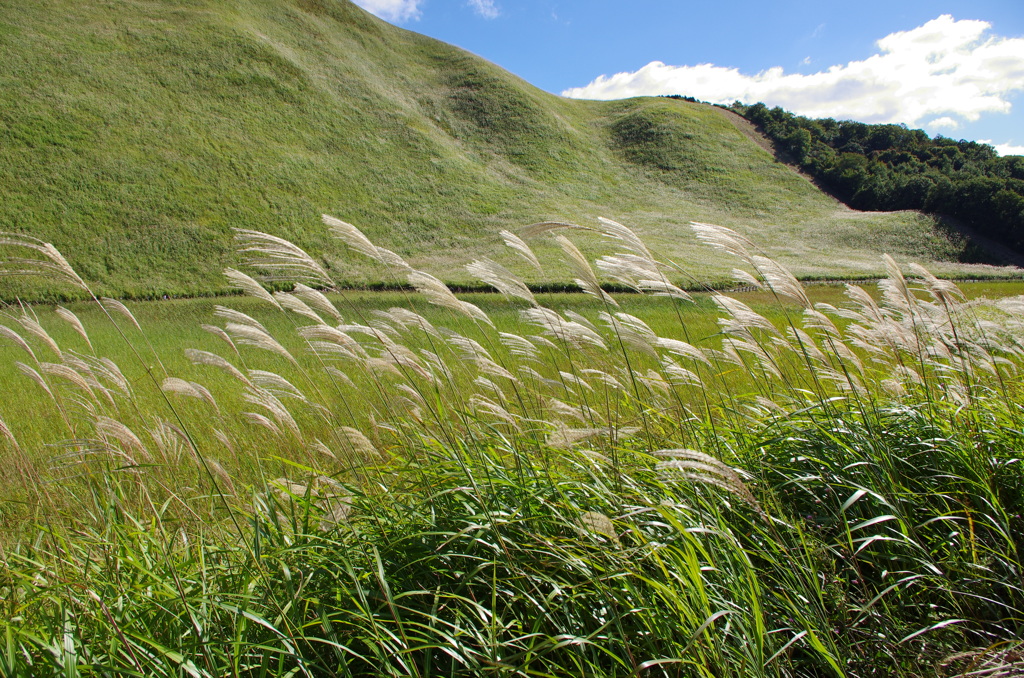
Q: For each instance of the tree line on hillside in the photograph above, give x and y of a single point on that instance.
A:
(891, 167)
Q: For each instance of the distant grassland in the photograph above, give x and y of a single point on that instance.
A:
(136, 135)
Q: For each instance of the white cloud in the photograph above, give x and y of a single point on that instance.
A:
(485, 8)
(1004, 149)
(945, 122)
(392, 10)
(944, 68)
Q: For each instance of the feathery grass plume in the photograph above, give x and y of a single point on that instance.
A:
(703, 468)
(560, 409)
(568, 332)
(170, 441)
(746, 278)
(107, 428)
(32, 374)
(119, 308)
(280, 258)
(19, 340)
(631, 331)
(683, 350)
(501, 279)
(756, 349)
(408, 320)
(437, 293)
(297, 306)
(564, 438)
(532, 375)
(519, 246)
(999, 660)
(198, 357)
(355, 239)
(250, 286)
(53, 265)
(357, 442)
(247, 335)
(742, 319)
(316, 300)
(85, 369)
(616, 231)
(585, 276)
(224, 481)
(268, 401)
(678, 375)
(603, 377)
(471, 350)
(568, 378)
(781, 281)
(518, 346)
(5, 432)
(222, 335)
(238, 317)
(597, 524)
(190, 389)
(73, 320)
(324, 339)
(276, 384)
(69, 374)
(33, 327)
(724, 239)
(480, 403)
(640, 274)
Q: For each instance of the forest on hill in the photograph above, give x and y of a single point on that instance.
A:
(890, 167)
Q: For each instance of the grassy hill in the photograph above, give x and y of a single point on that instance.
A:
(134, 134)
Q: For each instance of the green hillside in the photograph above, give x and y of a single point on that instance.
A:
(135, 134)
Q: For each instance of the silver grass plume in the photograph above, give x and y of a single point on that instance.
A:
(250, 286)
(297, 306)
(112, 428)
(190, 389)
(199, 357)
(117, 307)
(517, 245)
(281, 258)
(52, 265)
(355, 239)
(69, 317)
(33, 327)
(19, 340)
(703, 468)
(437, 293)
(724, 239)
(316, 300)
(501, 279)
(585, 276)
(237, 317)
(247, 335)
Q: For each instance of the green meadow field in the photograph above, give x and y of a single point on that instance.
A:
(799, 480)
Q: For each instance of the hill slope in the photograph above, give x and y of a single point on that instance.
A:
(134, 134)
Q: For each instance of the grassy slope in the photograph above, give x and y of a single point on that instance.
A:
(134, 134)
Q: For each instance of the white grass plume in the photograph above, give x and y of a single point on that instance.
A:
(69, 317)
(519, 246)
(250, 286)
(52, 265)
(355, 239)
(500, 278)
(281, 258)
(316, 300)
(585, 276)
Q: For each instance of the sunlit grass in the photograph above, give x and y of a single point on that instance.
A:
(793, 481)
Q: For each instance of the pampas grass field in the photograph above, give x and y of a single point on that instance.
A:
(774, 483)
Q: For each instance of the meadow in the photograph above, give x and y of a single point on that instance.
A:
(787, 482)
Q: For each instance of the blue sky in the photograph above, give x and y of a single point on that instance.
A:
(950, 67)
